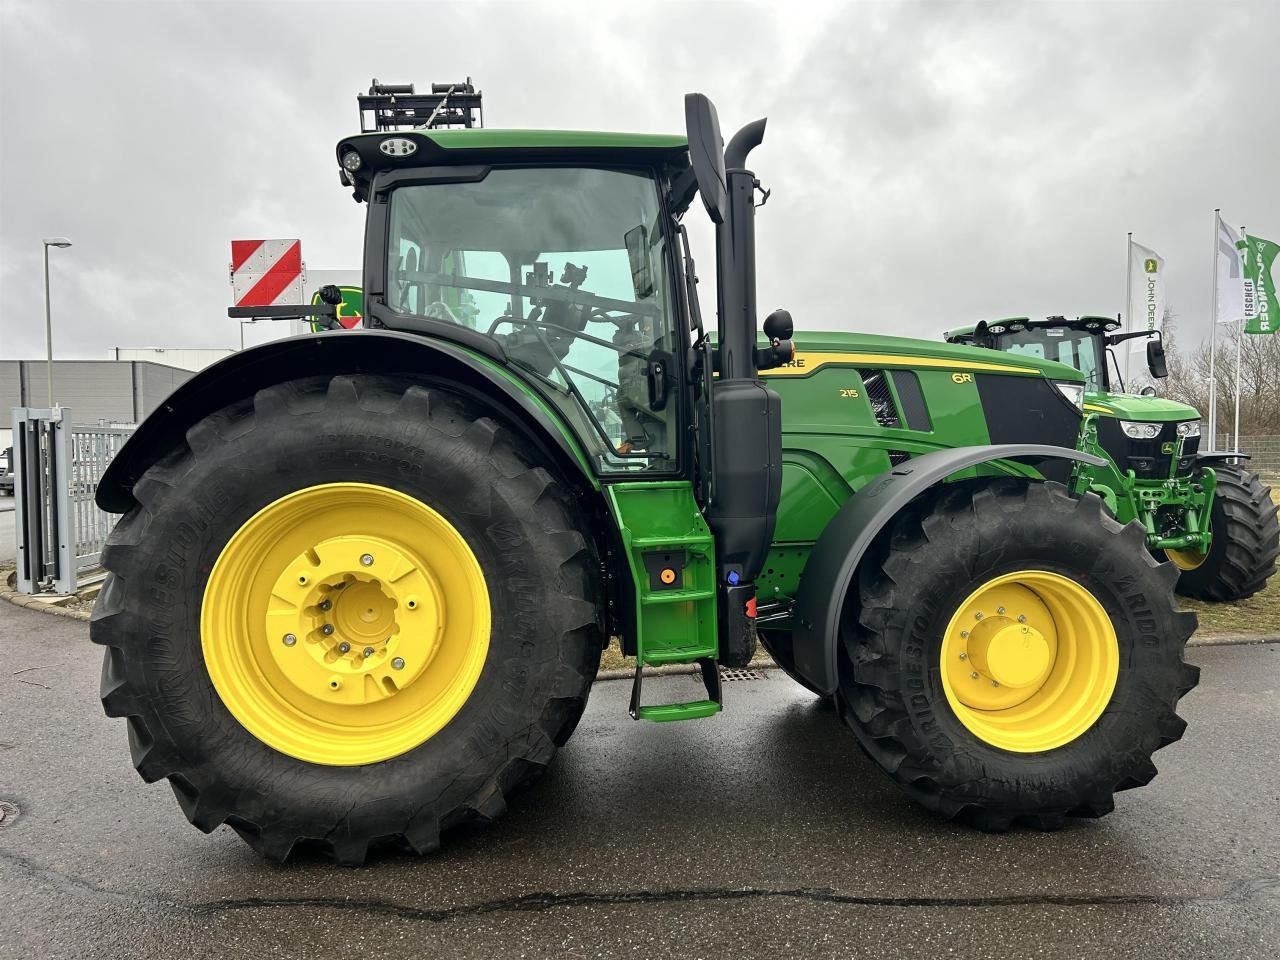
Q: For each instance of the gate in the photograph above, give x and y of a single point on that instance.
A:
(56, 469)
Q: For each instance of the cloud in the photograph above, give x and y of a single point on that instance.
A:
(932, 163)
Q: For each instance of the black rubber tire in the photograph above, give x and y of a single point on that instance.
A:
(1246, 540)
(544, 593)
(935, 554)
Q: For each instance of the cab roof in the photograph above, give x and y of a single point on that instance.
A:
(1091, 322)
(419, 147)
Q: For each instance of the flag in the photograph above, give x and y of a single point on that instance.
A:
(1146, 297)
(1261, 304)
(1231, 282)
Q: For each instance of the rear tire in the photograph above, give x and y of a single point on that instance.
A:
(920, 578)
(431, 445)
(1246, 541)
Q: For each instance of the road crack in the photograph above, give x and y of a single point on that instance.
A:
(1236, 891)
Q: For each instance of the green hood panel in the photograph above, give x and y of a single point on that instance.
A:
(913, 351)
(1127, 406)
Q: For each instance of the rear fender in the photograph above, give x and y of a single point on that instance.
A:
(829, 571)
(331, 354)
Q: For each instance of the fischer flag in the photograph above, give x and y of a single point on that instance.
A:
(1261, 303)
(1229, 262)
(1146, 296)
(266, 273)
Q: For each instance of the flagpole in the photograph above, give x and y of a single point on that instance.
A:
(1239, 345)
(1213, 338)
(1128, 298)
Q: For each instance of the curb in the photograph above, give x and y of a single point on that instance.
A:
(7, 592)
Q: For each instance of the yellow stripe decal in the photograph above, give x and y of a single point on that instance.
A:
(1097, 409)
(807, 362)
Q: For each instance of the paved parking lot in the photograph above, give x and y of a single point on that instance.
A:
(759, 833)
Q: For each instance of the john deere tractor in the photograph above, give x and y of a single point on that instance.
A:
(1203, 510)
(363, 578)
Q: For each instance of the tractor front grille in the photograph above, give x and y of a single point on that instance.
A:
(1148, 459)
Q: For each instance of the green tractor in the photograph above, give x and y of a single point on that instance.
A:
(364, 578)
(1203, 510)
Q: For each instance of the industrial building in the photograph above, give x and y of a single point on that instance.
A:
(97, 391)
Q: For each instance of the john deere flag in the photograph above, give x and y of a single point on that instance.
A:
(1261, 305)
(1146, 298)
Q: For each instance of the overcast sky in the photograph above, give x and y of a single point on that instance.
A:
(932, 164)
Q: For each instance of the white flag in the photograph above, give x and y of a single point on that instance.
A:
(1231, 279)
(1146, 299)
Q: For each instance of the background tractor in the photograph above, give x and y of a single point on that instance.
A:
(1203, 510)
(363, 578)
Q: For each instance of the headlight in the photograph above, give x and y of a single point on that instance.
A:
(1189, 429)
(1074, 392)
(1140, 431)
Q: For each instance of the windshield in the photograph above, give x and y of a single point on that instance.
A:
(566, 267)
(1075, 348)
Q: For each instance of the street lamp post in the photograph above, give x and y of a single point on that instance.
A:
(61, 243)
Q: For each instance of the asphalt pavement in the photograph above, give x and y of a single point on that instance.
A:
(762, 832)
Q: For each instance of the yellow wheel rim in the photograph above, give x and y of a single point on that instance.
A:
(1029, 661)
(1186, 559)
(345, 623)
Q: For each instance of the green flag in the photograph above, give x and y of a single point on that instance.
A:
(1261, 304)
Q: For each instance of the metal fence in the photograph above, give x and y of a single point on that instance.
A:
(1264, 453)
(57, 467)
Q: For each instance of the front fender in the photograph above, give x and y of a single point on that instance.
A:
(334, 353)
(825, 580)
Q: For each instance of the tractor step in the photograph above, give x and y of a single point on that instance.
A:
(666, 712)
(691, 710)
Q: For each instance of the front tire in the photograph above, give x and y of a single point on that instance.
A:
(347, 613)
(1013, 654)
(1246, 541)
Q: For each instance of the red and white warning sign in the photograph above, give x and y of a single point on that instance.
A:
(266, 272)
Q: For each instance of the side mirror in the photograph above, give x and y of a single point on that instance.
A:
(637, 242)
(1155, 359)
(1147, 391)
(706, 154)
(778, 325)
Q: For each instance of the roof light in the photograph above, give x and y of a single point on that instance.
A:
(398, 146)
(351, 161)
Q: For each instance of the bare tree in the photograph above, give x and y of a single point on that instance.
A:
(1188, 378)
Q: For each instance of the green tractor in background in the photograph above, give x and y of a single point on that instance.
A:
(364, 578)
(1202, 509)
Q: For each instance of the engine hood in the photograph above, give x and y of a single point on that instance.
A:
(1127, 406)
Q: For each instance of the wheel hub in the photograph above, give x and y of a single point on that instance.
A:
(353, 621)
(1010, 653)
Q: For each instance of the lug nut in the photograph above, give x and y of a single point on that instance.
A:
(995, 683)
(974, 675)
(327, 629)
(344, 647)
(964, 634)
(290, 639)
(368, 652)
(1022, 618)
(1000, 610)
(398, 663)
(964, 656)
(367, 560)
(978, 615)
(325, 604)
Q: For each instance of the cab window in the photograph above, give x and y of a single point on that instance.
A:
(567, 269)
